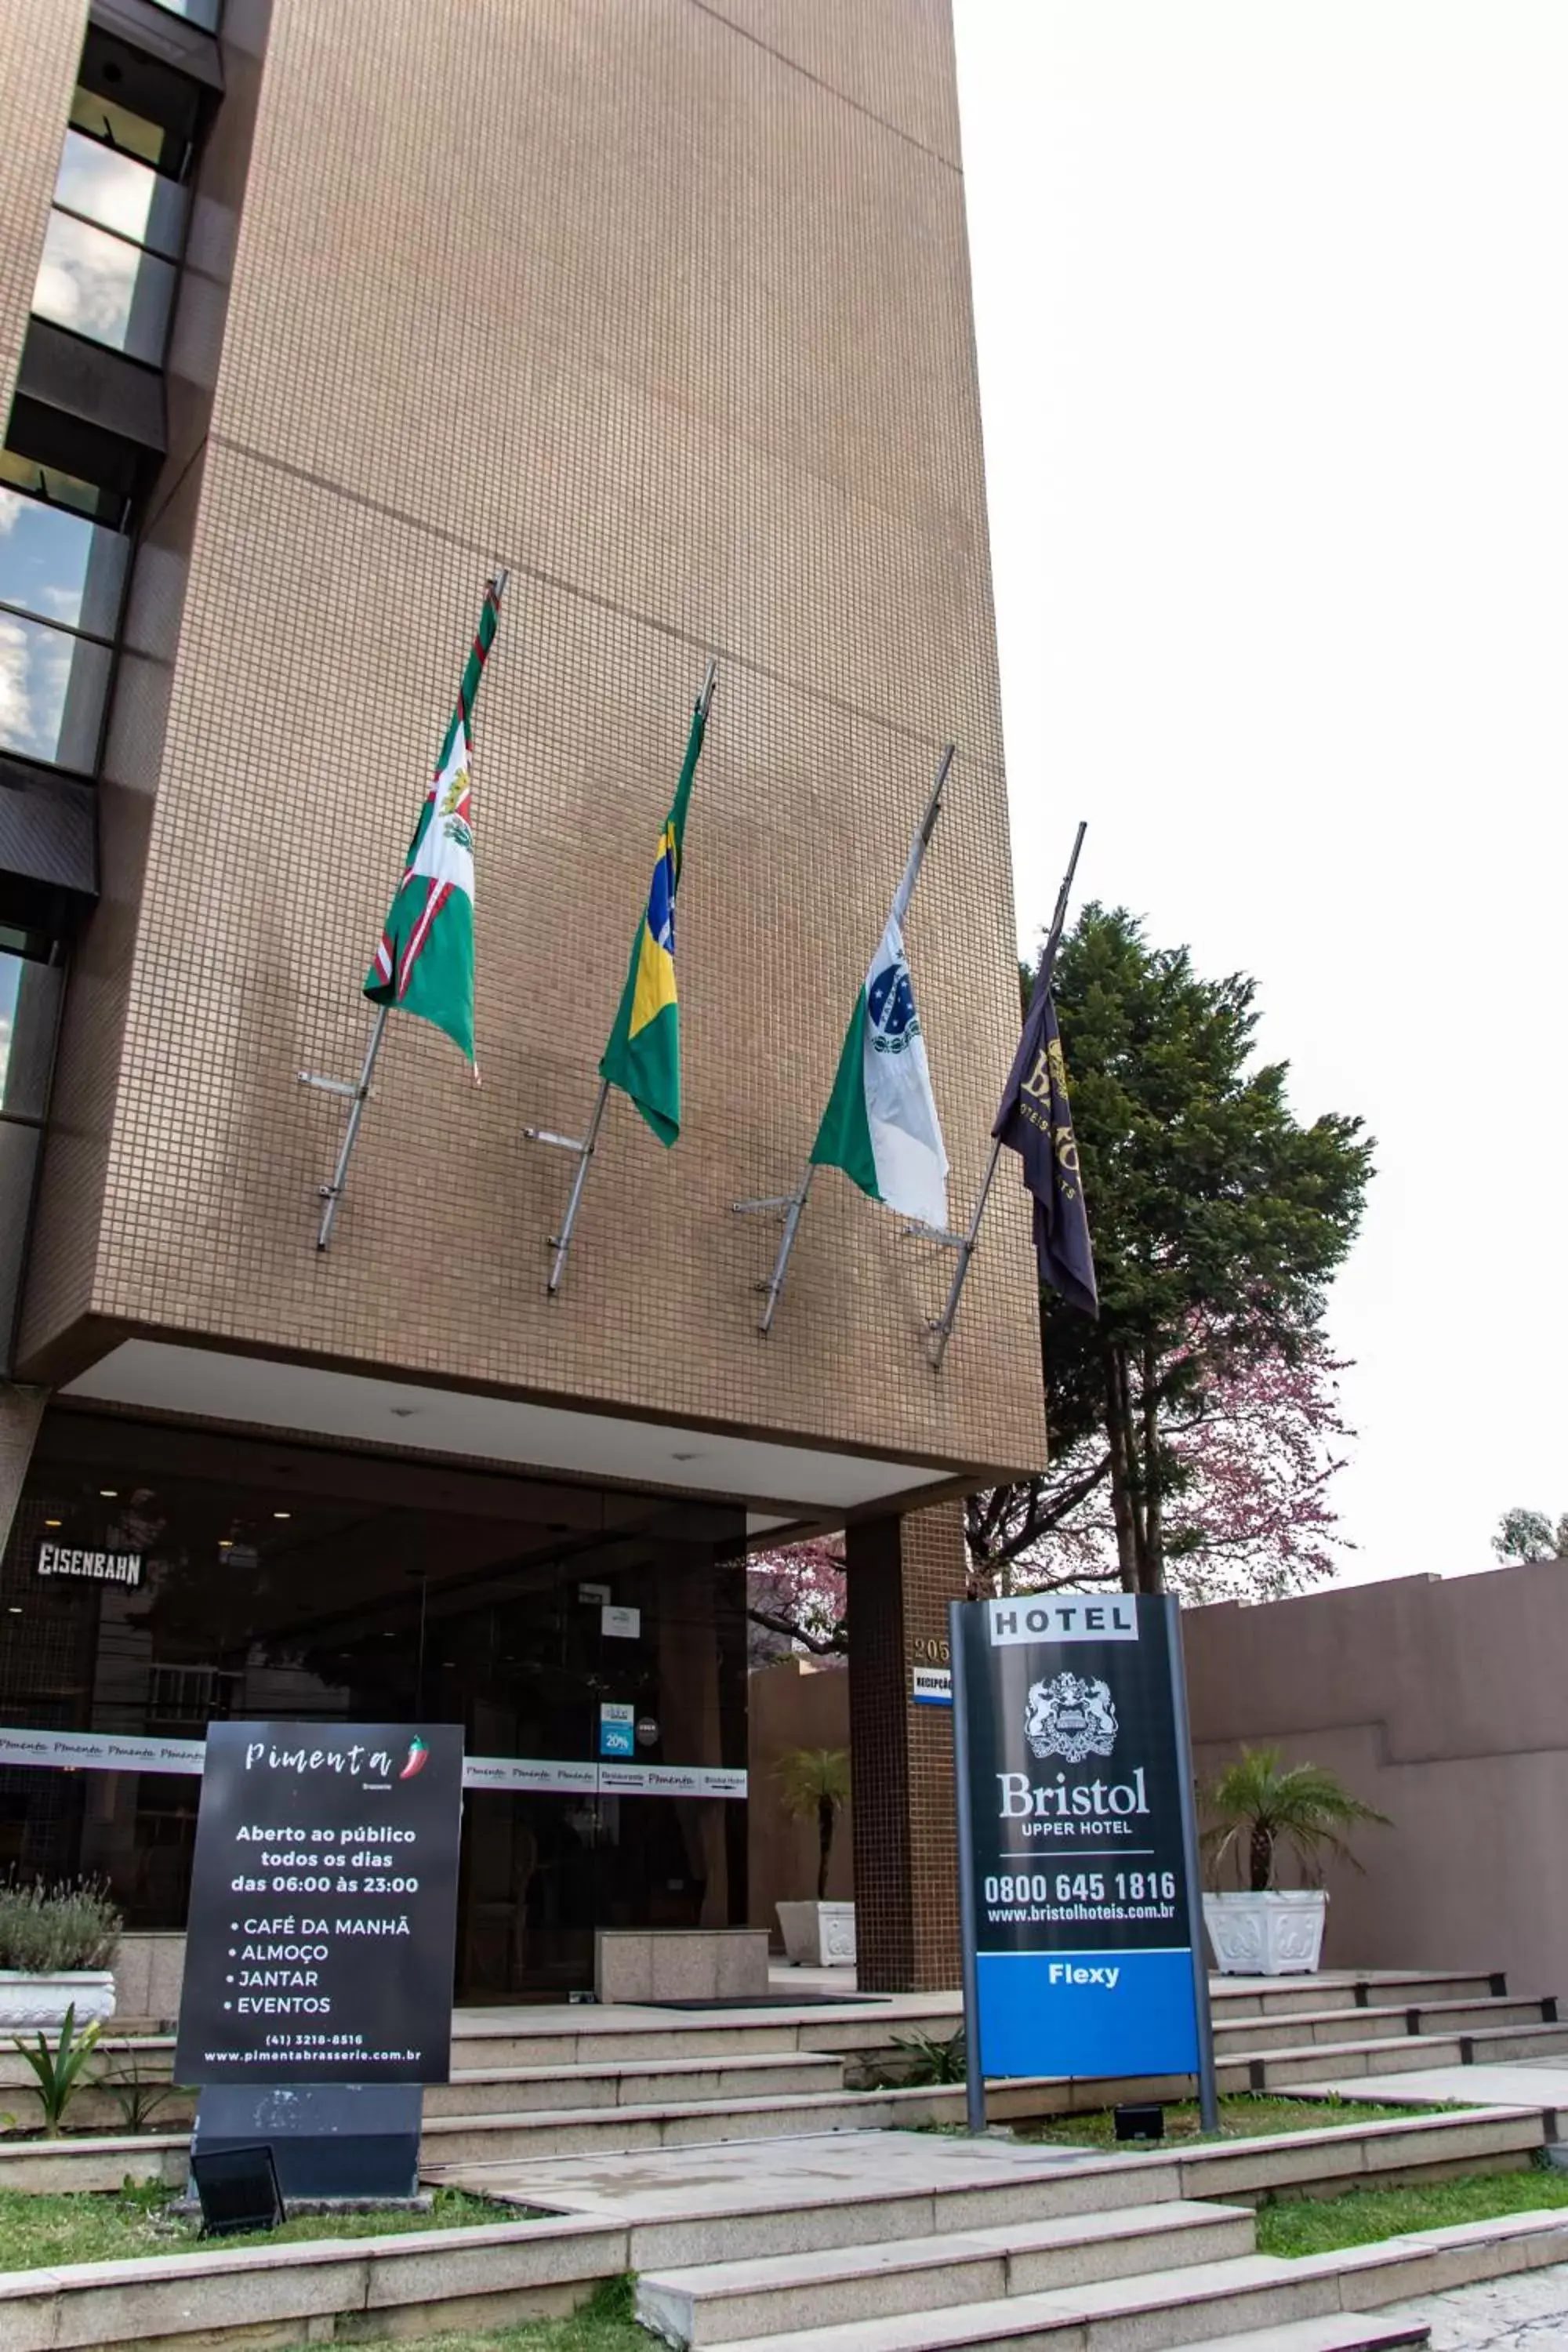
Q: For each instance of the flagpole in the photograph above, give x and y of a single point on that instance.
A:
(943, 1325)
(560, 1243)
(359, 1095)
(793, 1203)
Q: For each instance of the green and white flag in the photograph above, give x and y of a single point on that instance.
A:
(880, 1125)
(425, 963)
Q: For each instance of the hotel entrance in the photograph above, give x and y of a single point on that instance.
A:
(590, 1641)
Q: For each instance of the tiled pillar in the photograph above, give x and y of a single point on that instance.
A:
(902, 1574)
(21, 1410)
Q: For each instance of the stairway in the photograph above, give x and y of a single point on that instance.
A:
(568, 2082)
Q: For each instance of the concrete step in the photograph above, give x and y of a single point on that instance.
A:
(743, 2215)
(1149, 2313)
(1271, 2070)
(1360, 1989)
(1304, 2027)
(1353, 2333)
(669, 2081)
(1478, 2138)
(719, 2303)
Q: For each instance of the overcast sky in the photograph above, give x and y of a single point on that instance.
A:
(1274, 358)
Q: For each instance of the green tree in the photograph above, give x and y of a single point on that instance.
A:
(1258, 1804)
(814, 1785)
(1530, 1535)
(1218, 1219)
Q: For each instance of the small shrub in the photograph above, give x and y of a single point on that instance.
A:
(930, 2060)
(60, 2072)
(137, 2095)
(74, 1924)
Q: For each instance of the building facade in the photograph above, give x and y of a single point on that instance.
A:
(666, 308)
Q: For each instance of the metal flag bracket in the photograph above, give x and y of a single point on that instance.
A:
(792, 1205)
(560, 1243)
(941, 1324)
(358, 1092)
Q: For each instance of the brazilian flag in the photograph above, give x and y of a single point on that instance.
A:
(643, 1056)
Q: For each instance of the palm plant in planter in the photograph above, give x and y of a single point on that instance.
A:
(56, 1944)
(814, 1785)
(1257, 1808)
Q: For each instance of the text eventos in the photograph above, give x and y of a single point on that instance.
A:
(1037, 1620)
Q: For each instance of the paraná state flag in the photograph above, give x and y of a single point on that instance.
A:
(643, 1056)
(1035, 1122)
(880, 1125)
(425, 963)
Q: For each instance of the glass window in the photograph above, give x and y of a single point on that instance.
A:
(120, 194)
(104, 288)
(18, 1157)
(58, 490)
(52, 688)
(205, 13)
(30, 991)
(101, 118)
(289, 1583)
(57, 566)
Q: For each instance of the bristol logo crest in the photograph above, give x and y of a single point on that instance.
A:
(1071, 1716)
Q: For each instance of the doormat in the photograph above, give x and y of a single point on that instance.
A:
(774, 2000)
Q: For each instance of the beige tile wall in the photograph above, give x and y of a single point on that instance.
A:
(671, 312)
(40, 44)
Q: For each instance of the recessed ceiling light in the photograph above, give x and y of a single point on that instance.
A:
(51, 1523)
(110, 1492)
(282, 1515)
(15, 1609)
(225, 1543)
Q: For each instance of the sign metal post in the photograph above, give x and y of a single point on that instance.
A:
(1208, 2087)
(968, 1923)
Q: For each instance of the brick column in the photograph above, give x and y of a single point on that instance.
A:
(21, 1410)
(902, 1574)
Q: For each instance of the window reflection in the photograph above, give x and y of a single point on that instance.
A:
(30, 991)
(278, 1582)
(52, 689)
(205, 13)
(120, 194)
(102, 287)
(59, 566)
(54, 489)
(118, 127)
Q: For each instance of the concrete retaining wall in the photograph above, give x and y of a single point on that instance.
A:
(1445, 1704)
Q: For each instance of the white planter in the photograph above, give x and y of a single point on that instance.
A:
(1267, 1935)
(818, 1935)
(42, 2000)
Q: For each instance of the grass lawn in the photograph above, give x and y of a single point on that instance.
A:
(1246, 2116)
(1242, 2117)
(605, 2324)
(1311, 2225)
(37, 2232)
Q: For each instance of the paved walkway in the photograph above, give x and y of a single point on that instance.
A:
(748, 2175)
(1525, 2083)
(1527, 2314)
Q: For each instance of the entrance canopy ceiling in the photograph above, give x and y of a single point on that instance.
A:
(778, 1482)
